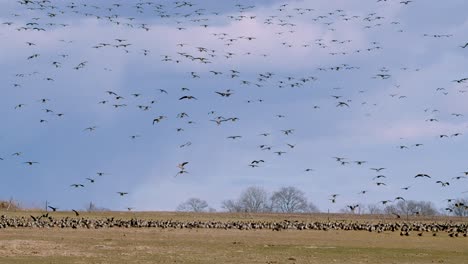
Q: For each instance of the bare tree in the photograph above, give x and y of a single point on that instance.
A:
(92, 207)
(193, 205)
(232, 206)
(10, 205)
(312, 208)
(411, 207)
(374, 209)
(254, 200)
(289, 200)
(459, 207)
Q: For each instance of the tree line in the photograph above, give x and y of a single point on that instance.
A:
(292, 200)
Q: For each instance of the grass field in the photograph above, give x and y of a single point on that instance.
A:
(132, 245)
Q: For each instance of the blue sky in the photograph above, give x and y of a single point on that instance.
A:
(290, 41)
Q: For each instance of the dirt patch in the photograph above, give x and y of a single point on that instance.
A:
(27, 248)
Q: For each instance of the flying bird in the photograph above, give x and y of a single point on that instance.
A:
(422, 175)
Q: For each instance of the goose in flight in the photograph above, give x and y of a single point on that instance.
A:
(182, 171)
(287, 131)
(379, 176)
(182, 165)
(422, 175)
(122, 193)
(341, 104)
(90, 129)
(444, 184)
(158, 119)
(54, 209)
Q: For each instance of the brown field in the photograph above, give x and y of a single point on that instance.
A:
(155, 245)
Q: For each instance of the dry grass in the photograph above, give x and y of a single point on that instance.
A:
(224, 246)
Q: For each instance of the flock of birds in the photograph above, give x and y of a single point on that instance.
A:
(405, 228)
(38, 17)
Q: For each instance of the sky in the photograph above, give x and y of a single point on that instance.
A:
(359, 79)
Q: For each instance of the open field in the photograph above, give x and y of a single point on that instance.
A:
(201, 245)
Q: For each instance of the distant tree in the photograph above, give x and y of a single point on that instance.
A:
(289, 200)
(411, 207)
(232, 206)
(254, 200)
(91, 207)
(312, 208)
(459, 207)
(193, 205)
(374, 209)
(9, 205)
